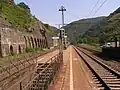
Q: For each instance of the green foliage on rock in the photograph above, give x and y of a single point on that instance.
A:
(18, 16)
(24, 6)
(53, 31)
(112, 29)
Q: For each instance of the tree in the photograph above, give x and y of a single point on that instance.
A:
(24, 6)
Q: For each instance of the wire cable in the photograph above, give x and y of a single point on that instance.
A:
(72, 15)
(93, 8)
(97, 11)
(100, 7)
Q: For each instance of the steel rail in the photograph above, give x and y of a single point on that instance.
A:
(93, 71)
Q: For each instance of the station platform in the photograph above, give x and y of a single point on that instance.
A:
(46, 57)
(73, 74)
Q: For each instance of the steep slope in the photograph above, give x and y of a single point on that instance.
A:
(53, 31)
(112, 28)
(82, 27)
(96, 29)
(18, 16)
(101, 29)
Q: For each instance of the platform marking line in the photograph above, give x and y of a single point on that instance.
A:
(71, 70)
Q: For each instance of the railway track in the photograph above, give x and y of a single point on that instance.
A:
(104, 77)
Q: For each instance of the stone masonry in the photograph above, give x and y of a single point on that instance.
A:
(14, 41)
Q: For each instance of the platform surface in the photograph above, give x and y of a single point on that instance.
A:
(72, 75)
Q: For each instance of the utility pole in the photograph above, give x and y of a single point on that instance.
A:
(62, 9)
(61, 37)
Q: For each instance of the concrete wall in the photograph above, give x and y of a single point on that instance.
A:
(15, 42)
(11, 41)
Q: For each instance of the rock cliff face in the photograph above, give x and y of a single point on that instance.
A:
(14, 41)
(20, 30)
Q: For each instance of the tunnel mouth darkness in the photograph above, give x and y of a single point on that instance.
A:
(11, 50)
(19, 48)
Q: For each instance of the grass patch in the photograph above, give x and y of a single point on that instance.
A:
(13, 57)
(17, 16)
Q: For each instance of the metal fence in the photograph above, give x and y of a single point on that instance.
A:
(46, 73)
(14, 68)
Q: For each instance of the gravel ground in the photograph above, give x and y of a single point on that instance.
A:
(113, 63)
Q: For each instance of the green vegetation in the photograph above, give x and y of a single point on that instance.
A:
(87, 40)
(53, 31)
(83, 28)
(18, 16)
(33, 50)
(112, 29)
(50, 31)
(15, 56)
(95, 30)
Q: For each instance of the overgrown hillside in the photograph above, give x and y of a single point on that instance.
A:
(95, 30)
(53, 31)
(82, 27)
(18, 16)
(112, 28)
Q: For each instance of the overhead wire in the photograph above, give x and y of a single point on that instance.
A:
(93, 7)
(100, 7)
(97, 11)
(72, 15)
(90, 11)
(90, 23)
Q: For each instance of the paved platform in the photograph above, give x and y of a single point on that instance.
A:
(46, 57)
(73, 74)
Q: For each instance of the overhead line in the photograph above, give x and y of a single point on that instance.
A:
(72, 15)
(94, 7)
(100, 7)
(98, 10)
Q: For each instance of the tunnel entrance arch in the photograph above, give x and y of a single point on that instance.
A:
(19, 49)
(11, 50)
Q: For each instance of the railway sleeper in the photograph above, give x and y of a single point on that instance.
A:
(113, 82)
(114, 85)
(115, 88)
(101, 88)
(109, 77)
(99, 85)
(97, 82)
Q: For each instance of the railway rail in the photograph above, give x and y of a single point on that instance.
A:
(104, 77)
